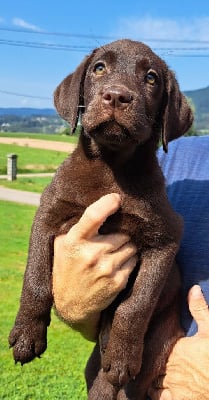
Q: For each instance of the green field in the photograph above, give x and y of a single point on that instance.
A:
(42, 136)
(30, 159)
(59, 372)
(30, 184)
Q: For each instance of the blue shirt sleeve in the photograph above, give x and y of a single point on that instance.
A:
(186, 170)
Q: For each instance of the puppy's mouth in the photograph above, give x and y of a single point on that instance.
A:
(111, 133)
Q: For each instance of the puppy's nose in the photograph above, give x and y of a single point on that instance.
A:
(116, 97)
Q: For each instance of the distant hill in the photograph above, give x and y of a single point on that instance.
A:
(27, 112)
(47, 120)
(36, 120)
(200, 98)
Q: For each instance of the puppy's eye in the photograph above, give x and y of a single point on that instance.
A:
(100, 68)
(151, 77)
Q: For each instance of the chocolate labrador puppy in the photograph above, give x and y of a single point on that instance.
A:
(129, 101)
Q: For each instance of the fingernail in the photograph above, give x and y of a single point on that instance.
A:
(196, 291)
(116, 196)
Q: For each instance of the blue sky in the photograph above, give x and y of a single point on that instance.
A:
(30, 69)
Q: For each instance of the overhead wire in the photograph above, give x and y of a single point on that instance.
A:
(178, 51)
(66, 34)
(94, 36)
(84, 48)
(44, 45)
(25, 95)
(172, 51)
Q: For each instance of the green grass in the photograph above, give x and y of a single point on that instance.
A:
(30, 159)
(31, 184)
(42, 136)
(59, 373)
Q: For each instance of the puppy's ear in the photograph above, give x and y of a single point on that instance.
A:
(178, 116)
(68, 96)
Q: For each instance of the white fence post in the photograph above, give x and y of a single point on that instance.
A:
(11, 167)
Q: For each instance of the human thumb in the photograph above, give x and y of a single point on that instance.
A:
(199, 310)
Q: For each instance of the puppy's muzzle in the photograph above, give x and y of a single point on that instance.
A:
(116, 97)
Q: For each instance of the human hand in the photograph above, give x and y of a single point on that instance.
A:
(187, 372)
(90, 269)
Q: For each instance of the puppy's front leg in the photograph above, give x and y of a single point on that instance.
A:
(123, 356)
(28, 336)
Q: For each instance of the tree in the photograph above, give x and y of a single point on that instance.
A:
(192, 131)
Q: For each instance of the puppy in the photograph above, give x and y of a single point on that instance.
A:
(129, 101)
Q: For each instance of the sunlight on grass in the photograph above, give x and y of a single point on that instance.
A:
(42, 136)
(59, 372)
(30, 159)
(33, 184)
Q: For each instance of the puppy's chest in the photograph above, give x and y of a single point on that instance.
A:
(139, 214)
(139, 220)
(95, 179)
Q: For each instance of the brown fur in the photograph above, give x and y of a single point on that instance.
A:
(128, 98)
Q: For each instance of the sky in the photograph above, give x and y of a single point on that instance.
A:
(43, 41)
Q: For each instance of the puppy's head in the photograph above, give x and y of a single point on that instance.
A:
(126, 94)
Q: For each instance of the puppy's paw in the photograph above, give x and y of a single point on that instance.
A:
(28, 341)
(121, 363)
(102, 389)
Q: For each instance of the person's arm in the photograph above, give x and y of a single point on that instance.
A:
(90, 269)
(187, 372)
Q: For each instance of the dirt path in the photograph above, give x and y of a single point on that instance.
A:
(39, 144)
(29, 197)
(19, 196)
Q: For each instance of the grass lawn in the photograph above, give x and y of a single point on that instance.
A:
(59, 373)
(31, 159)
(33, 184)
(42, 136)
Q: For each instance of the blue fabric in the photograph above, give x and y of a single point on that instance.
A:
(186, 169)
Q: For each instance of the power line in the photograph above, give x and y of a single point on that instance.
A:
(171, 51)
(103, 37)
(43, 45)
(190, 55)
(25, 95)
(66, 34)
